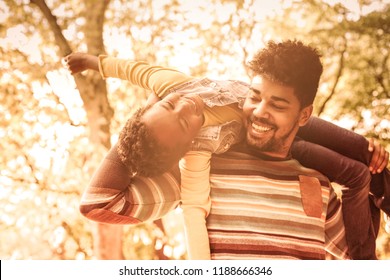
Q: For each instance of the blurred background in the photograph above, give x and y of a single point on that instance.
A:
(55, 128)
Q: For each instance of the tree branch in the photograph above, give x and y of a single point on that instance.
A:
(58, 100)
(338, 76)
(65, 48)
(380, 78)
(94, 36)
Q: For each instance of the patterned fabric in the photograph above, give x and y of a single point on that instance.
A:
(258, 211)
(114, 197)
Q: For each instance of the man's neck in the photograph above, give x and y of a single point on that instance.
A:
(244, 147)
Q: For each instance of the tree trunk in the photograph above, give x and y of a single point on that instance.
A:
(93, 92)
(107, 238)
(107, 241)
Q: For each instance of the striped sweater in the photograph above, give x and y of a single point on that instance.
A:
(264, 208)
(260, 208)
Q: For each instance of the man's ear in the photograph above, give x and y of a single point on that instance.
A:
(305, 115)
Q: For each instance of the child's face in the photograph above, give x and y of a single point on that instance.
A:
(175, 120)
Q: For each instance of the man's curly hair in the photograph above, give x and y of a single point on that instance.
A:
(290, 63)
(141, 153)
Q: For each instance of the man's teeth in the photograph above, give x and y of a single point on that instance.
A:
(260, 128)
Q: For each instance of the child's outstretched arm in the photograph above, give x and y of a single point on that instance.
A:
(79, 62)
(155, 78)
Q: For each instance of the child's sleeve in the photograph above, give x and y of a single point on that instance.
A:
(155, 78)
(335, 240)
(195, 194)
(114, 197)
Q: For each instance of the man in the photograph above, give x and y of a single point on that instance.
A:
(264, 203)
(282, 132)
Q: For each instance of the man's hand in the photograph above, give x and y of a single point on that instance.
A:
(79, 62)
(380, 157)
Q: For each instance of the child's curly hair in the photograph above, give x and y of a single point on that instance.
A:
(141, 153)
(290, 63)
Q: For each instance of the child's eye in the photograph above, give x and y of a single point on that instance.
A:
(170, 105)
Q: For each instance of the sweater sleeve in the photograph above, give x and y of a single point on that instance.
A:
(335, 240)
(114, 197)
(154, 78)
(195, 194)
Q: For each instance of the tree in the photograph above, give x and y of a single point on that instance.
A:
(53, 143)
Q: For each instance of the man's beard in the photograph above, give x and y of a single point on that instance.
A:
(272, 144)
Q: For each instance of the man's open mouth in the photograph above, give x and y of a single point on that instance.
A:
(260, 128)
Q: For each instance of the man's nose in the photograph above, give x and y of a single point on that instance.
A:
(261, 110)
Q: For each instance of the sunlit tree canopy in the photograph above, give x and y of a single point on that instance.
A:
(56, 128)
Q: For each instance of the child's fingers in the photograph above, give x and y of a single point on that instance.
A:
(384, 162)
(380, 156)
(374, 157)
(71, 64)
(371, 144)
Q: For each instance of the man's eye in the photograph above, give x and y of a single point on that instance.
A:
(254, 97)
(251, 95)
(278, 107)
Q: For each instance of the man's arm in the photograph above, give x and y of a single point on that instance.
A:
(114, 197)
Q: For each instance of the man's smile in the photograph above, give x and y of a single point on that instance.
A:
(260, 128)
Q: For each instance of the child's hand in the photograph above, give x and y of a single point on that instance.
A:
(79, 62)
(380, 157)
